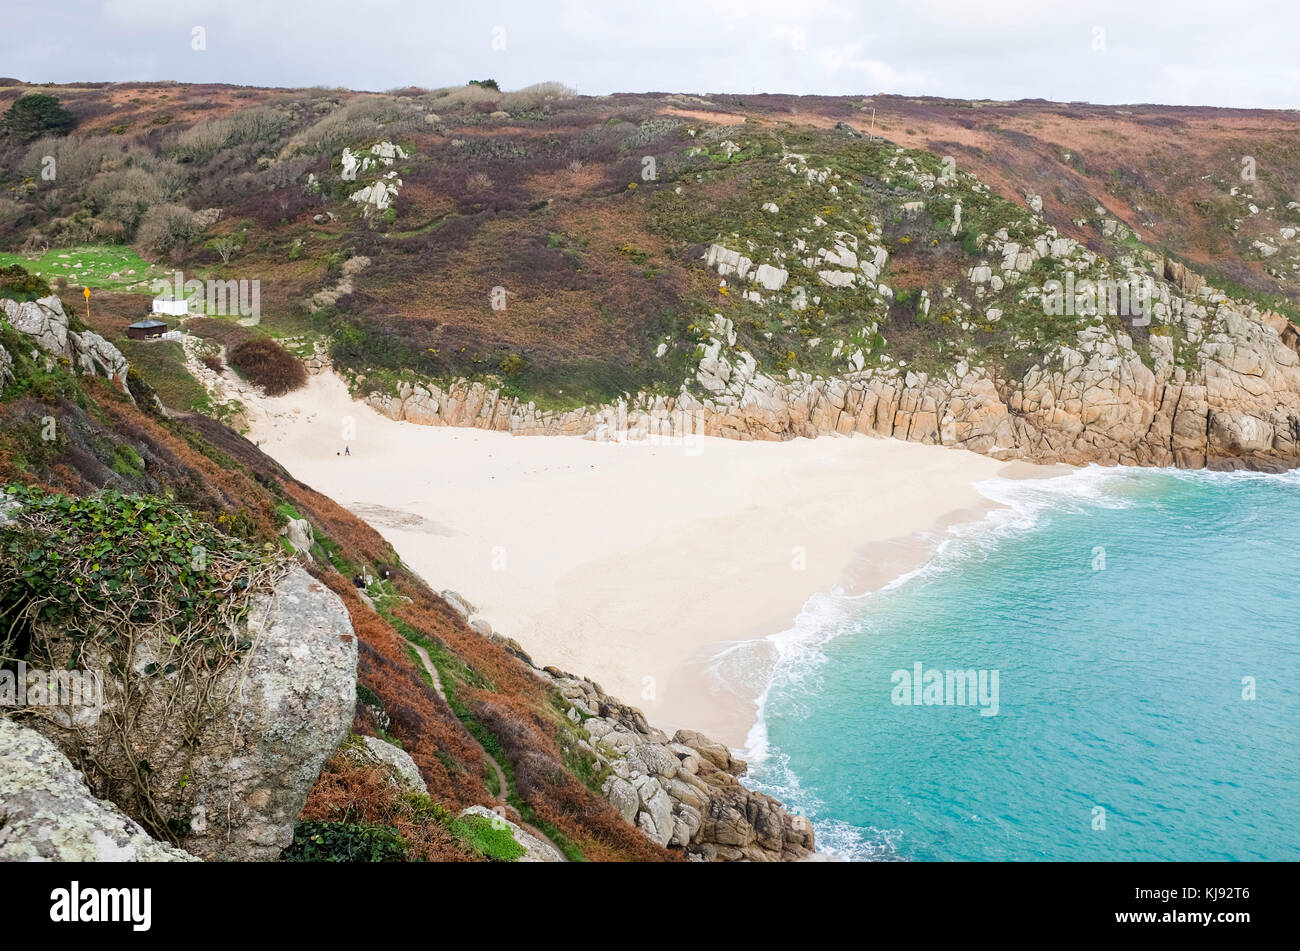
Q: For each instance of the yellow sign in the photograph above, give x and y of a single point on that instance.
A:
(87, 293)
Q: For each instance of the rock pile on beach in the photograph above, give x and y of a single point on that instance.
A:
(682, 791)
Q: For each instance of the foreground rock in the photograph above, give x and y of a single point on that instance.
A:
(48, 814)
(402, 771)
(276, 720)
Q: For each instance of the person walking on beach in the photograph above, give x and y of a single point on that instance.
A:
(347, 450)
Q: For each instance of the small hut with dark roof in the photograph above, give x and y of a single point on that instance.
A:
(144, 329)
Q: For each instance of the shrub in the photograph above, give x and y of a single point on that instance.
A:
(35, 115)
(260, 127)
(165, 227)
(535, 96)
(17, 284)
(362, 120)
(461, 96)
(268, 365)
(344, 842)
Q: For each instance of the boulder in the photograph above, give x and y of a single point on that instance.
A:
(623, 796)
(275, 719)
(656, 815)
(458, 604)
(47, 812)
(711, 750)
(46, 323)
(43, 320)
(405, 773)
(651, 759)
(97, 357)
(298, 532)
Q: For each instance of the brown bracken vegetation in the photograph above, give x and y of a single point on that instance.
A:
(265, 363)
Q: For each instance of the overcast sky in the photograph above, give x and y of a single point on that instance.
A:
(1193, 52)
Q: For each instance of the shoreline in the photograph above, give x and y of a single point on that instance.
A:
(728, 706)
(632, 563)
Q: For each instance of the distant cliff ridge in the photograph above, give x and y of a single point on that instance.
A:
(1233, 402)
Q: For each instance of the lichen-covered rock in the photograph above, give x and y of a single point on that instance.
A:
(277, 717)
(48, 814)
(6, 368)
(46, 323)
(402, 768)
(43, 320)
(623, 796)
(97, 357)
(656, 814)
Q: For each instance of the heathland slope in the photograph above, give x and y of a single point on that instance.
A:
(1047, 281)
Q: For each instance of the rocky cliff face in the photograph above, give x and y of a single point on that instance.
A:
(999, 334)
(46, 323)
(1220, 387)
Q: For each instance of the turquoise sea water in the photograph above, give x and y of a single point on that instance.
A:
(1120, 682)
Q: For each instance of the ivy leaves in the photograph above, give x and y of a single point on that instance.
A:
(143, 560)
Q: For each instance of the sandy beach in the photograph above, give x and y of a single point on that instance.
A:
(630, 563)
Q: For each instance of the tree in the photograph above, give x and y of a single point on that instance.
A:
(35, 115)
(226, 245)
(485, 83)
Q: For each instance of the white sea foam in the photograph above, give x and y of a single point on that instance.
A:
(834, 837)
(1291, 477)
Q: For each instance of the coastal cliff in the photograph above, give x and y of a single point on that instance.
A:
(1236, 406)
(1022, 342)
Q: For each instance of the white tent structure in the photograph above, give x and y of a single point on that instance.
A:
(173, 308)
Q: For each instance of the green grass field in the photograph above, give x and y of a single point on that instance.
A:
(161, 363)
(111, 267)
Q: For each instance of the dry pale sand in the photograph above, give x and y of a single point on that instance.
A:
(629, 563)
